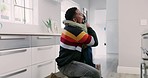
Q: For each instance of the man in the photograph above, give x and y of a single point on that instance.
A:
(73, 38)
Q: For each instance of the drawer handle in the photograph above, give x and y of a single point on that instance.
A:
(11, 37)
(45, 64)
(146, 37)
(2, 53)
(15, 73)
(44, 48)
(44, 37)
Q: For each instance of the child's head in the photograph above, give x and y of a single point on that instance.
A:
(84, 19)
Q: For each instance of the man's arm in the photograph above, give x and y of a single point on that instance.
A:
(90, 38)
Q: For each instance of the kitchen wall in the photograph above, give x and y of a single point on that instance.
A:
(130, 14)
(91, 6)
(84, 4)
(45, 9)
(96, 5)
(112, 26)
(49, 9)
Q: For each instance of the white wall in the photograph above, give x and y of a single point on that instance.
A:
(130, 13)
(46, 9)
(96, 5)
(49, 9)
(112, 26)
(84, 4)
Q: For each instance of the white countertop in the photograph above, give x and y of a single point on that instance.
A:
(45, 34)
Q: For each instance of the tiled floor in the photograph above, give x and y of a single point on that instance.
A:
(109, 65)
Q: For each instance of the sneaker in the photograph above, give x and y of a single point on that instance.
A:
(98, 66)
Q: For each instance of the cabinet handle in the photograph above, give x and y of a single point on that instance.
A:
(44, 37)
(2, 53)
(11, 37)
(44, 48)
(12, 74)
(45, 64)
(145, 37)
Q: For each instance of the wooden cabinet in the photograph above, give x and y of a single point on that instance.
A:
(28, 56)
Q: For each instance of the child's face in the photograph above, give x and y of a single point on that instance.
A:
(78, 17)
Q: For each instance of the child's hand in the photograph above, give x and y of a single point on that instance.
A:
(84, 45)
(87, 25)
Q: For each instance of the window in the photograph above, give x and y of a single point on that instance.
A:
(18, 11)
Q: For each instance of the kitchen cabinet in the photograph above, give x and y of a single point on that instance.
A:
(14, 41)
(14, 52)
(56, 55)
(43, 40)
(20, 73)
(14, 59)
(43, 53)
(43, 56)
(42, 70)
(28, 55)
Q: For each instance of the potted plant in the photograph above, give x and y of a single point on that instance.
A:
(3, 7)
(48, 24)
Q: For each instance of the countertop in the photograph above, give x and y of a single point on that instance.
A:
(39, 34)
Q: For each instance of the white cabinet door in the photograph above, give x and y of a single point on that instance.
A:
(57, 54)
(43, 53)
(42, 41)
(42, 70)
(21, 73)
(14, 41)
(14, 59)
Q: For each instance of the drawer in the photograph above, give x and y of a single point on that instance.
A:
(14, 59)
(44, 53)
(14, 41)
(42, 70)
(42, 40)
(57, 40)
(21, 73)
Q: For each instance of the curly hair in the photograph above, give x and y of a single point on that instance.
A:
(70, 13)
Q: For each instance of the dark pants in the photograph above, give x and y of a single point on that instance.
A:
(87, 55)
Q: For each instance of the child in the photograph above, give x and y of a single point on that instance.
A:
(87, 52)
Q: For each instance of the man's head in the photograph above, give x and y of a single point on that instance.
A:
(74, 14)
